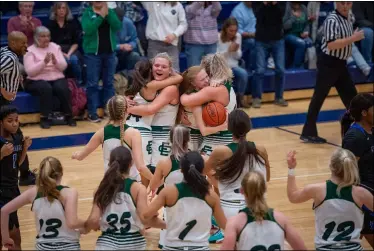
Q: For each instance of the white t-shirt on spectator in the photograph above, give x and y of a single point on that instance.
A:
(231, 57)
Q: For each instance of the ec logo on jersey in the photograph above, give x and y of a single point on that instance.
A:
(207, 150)
(164, 149)
(137, 118)
(149, 147)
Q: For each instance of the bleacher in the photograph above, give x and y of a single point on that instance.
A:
(298, 83)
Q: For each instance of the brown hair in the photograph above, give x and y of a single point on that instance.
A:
(117, 107)
(189, 76)
(142, 74)
(50, 170)
(57, 5)
(226, 24)
(254, 188)
(179, 137)
(112, 183)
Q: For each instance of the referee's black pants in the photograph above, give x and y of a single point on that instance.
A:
(25, 167)
(331, 71)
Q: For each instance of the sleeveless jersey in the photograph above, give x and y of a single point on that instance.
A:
(120, 224)
(112, 140)
(140, 121)
(175, 175)
(265, 235)
(232, 96)
(51, 225)
(338, 220)
(187, 226)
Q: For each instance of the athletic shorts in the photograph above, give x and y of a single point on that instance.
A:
(128, 241)
(214, 140)
(6, 195)
(161, 146)
(232, 207)
(57, 246)
(368, 227)
(196, 139)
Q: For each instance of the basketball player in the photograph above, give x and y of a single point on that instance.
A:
(230, 163)
(13, 152)
(337, 202)
(119, 204)
(163, 79)
(220, 75)
(117, 133)
(163, 108)
(168, 170)
(258, 227)
(189, 206)
(358, 138)
(55, 208)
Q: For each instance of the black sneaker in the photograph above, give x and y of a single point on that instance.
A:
(29, 180)
(71, 121)
(313, 139)
(94, 119)
(45, 123)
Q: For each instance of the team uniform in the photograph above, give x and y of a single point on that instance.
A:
(162, 122)
(265, 235)
(143, 124)
(175, 176)
(223, 137)
(188, 221)
(231, 199)
(9, 175)
(338, 220)
(120, 224)
(53, 232)
(196, 139)
(112, 140)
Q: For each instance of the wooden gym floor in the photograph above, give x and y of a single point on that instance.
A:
(312, 167)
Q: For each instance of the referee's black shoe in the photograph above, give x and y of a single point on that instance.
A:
(313, 139)
(28, 180)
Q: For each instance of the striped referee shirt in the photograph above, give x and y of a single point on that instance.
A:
(10, 75)
(336, 27)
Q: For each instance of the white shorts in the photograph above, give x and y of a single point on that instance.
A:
(196, 139)
(214, 140)
(130, 241)
(232, 208)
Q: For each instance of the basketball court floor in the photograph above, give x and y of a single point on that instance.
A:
(313, 164)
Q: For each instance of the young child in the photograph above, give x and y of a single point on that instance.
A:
(13, 152)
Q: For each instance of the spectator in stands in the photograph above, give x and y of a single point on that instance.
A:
(134, 11)
(100, 25)
(246, 18)
(25, 22)
(364, 14)
(127, 49)
(44, 65)
(166, 23)
(230, 45)
(66, 32)
(296, 28)
(201, 36)
(269, 38)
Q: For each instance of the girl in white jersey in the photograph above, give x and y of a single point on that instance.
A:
(119, 203)
(55, 208)
(162, 109)
(227, 165)
(189, 206)
(117, 133)
(258, 227)
(337, 202)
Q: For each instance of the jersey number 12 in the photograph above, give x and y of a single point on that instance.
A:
(345, 229)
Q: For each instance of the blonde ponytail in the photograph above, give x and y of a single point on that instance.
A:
(117, 108)
(217, 68)
(344, 166)
(50, 171)
(254, 187)
(179, 137)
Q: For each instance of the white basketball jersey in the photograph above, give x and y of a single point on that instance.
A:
(188, 221)
(231, 190)
(166, 116)
(140, 121)
(338, 220)
(264, 235)
(175, 175)
(232, 96)
(112, 140)
(51, 223)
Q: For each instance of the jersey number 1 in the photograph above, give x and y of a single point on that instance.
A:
(185, 231)
(345, 229)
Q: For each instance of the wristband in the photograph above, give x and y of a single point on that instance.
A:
(291, 172)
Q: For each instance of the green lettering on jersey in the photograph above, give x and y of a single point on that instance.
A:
(149, 147)
(189, 226)
(273, 247)
(207, 150)
(112, 220)
(52, 226)
(164, 149)
(137, 117)
(345, 229)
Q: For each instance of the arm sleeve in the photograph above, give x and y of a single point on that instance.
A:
(330, 30)
(32, 69)
(133, 34)
(216, 9)
(91, 25)
(239, 17)
(288, 19)
(192, 9)
(113, 20)
(182, 22)
(61, 62)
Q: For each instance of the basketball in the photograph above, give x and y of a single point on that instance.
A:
(214, 114)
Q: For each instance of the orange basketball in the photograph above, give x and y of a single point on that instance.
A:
(214, 114)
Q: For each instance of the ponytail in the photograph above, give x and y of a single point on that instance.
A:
(112, 183)
(117, 108)
(179, 137)
(344, 166)
(345, 123)
(192, 165)
(254, 187)
(50, 170)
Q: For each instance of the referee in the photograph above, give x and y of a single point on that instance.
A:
(10, 75)
(332, 70)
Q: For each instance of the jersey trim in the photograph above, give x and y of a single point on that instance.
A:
(127, 188)
(39, 195)
(110, 131)
(174, 165)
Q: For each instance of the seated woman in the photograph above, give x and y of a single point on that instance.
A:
(66, 32)
(44, 65)
(230, 45)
